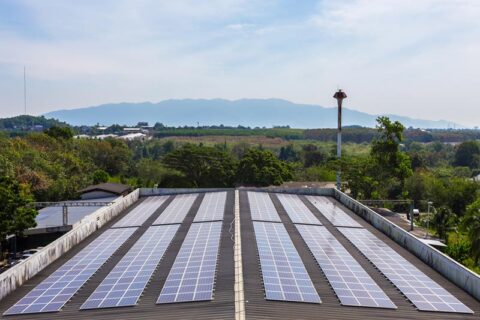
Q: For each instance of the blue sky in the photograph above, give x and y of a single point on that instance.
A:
(418, 58)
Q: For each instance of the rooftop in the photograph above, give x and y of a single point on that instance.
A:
(115, 188)
(182, 222)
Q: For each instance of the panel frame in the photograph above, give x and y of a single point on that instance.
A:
(133, 271)
(333, 213)
(177, 210)
(212, 207)
(297, 210)
(351, 283)
(138, 215)
(403, 273)
(262, 207)
(57, 289)
(284, 274)
(192, 275)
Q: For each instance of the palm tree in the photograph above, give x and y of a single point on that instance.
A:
(443, 221)
(471, 223)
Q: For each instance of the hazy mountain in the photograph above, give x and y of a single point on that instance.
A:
(246, 112)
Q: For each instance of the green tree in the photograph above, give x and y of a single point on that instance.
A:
(151, 172)
(471, 223)
(60, 132)
(262, 168)
(100, 176)
(443, 221)
(359, 174)
(15, 215)
(288, 153)
(202, 166)
(383, 173)
(467, 154)
(391, 162)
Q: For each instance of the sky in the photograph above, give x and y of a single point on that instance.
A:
(417, 58)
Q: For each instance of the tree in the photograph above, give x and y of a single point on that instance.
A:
(392, 165)
(100, 176)
(60, 132)
(288, 153)
(471, 223)
(262, 168)
(382, 174)
(15, 216)
(151, 172)
(468, 155)
(443, 221)
(202, 166)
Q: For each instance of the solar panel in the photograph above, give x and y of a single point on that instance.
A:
(333, 213)
(141, 213)
(52, 293)
(422, 291)
(284, 275)
(192, 275)
(352, 285)
(177, 209)
(126, 282)
(297, 210)
(261, 207)
(212, 207)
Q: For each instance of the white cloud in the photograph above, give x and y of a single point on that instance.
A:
(417, 58)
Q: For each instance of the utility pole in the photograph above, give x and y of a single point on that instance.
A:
(339, 95)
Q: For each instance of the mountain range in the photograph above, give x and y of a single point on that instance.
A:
(245, 112)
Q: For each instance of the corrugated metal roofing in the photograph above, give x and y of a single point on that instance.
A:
(223, 306)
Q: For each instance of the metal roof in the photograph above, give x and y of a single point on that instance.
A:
(115, 188)
(223, 304)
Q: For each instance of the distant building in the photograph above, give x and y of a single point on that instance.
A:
(104, 136)
(132, 129)
(133, 136)
(104, 190)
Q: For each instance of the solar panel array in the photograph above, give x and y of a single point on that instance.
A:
(284, 275)
(126, 282)
(141, 213)
(261, 207)
(352, 285)
(177, 209)
(212, 207)
(333, 213)
(192, 275)
(52, 293)
(422, 291)
(297, 210)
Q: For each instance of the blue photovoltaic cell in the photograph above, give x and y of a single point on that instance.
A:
(297, 210)
(261, 207)
(177, 210)
(126, 282)
(332, 212)
(352, 285)
(284, 275)
(192, 275)
(212, 207)
(52, 293)
(141, 213)
(422, 291)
